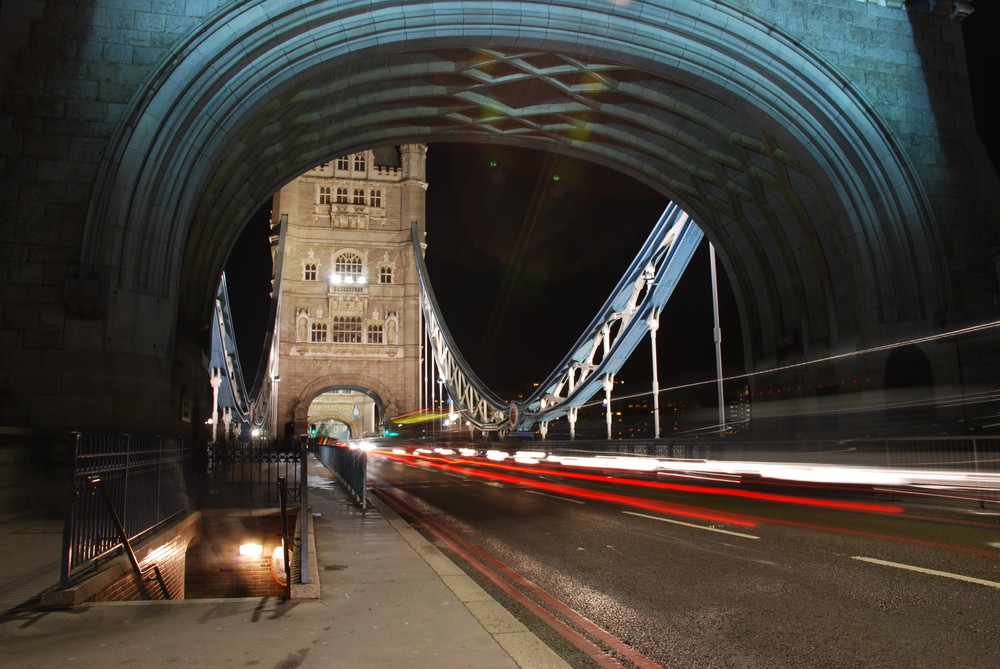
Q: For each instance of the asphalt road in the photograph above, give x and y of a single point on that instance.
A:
(692, 578)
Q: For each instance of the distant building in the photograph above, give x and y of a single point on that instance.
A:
(348, 326)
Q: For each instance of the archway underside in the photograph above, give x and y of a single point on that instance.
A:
(772, 214)
(820, 231)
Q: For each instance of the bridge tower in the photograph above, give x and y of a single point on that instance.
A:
(348, 325)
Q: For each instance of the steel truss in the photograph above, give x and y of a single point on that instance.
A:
(630, 312)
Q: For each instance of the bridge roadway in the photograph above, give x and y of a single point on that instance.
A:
(695, 579)
(703, 576)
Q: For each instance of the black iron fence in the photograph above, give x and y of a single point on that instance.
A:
(246, 473)
(350, 464)
(150, 480)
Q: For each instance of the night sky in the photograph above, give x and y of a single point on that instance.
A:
(520, 262)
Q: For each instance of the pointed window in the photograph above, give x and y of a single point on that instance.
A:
(318, 332)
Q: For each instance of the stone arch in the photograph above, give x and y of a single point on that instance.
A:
(812, 205)
(385, 399)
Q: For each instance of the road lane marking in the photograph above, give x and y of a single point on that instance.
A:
(697, 527)
(565, 499)
(933, 572)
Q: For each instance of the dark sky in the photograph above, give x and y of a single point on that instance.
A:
(523, 248)
(521, 262)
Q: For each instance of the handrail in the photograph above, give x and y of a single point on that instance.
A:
(96, 482)
(282, 503)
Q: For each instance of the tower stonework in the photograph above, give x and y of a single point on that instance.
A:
(349, 311)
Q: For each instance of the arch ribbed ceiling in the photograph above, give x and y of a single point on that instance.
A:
(787, 169)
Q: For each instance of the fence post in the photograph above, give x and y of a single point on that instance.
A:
(68, 519)
(304, 512)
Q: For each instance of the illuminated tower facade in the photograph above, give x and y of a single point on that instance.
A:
(348, 328)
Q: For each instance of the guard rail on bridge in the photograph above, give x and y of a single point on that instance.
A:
(149, 480)
(349, 464)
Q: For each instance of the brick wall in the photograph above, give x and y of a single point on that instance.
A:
(216, 569)
(169, 555)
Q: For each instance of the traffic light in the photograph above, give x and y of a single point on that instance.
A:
(312, 430)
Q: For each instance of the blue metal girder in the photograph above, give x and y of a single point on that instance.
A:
(601, 351)
(659, 266)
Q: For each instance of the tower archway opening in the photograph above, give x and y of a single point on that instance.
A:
(345, 413)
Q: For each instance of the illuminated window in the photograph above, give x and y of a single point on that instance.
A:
(374, 334)
(325, 196)
(375, 198)
(343, 163)
(341, 196)
(359, 196)
(346, 329)
(385, 274)
(359, 162)
(318, 332)
(348, 264)
(309, 272)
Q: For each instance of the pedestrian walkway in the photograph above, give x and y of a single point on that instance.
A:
(389, 598)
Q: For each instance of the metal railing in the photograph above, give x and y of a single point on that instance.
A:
(126, 544)
(245, 474)
(149, 480)
(349, 464)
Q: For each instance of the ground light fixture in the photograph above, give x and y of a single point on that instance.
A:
(251, 549)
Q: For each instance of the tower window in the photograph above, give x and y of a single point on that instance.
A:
(375, 198)
(318, 332)
(325, 196)
(309, 272)
(359, 196)
(385, 274)
(375, 334)
(343, 163)
(347, 329)
(359, 162)
(341, 196)
(348, 268)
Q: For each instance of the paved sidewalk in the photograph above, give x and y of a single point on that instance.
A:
(389, 599)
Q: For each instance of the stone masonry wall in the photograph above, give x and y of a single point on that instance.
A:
(68, 69)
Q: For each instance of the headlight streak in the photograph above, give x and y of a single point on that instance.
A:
(667, 508)
(679, 487)
(561, 489)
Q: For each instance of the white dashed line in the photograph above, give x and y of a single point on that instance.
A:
(697, 527)
(932, 572)
(565, 499)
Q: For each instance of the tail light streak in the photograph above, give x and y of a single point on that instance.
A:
(571, 491)
(561, 473)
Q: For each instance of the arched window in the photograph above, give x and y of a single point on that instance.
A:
(343, 163)
(318, 333)
(359, 162)
(325, 195)
(375, 333)
(359, 196)
(309, 271)
(349, 267)
(375, 198)
(346, 329)
(341, 196)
